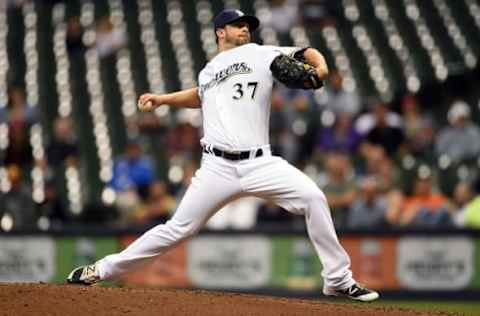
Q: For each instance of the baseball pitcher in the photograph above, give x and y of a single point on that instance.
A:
(234, 91)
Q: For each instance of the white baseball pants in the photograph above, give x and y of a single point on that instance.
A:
(219, 181)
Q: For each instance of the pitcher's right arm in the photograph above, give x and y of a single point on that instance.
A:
(188, 98)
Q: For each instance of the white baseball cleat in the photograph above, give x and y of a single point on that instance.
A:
(354, 292)
(84, 275)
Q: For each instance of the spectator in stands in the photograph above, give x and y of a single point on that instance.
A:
(336, 98)
(386, 172)
(54, 207)
(316, 13)
(17, 203)
(376, 163)
(133, 170)
(372, 155)
(339, 186)
(471, 215)
(367, 121)
(17, 100)
(460, 140)
(13, 3)
(189, 168)
(281, 138)
(292, 125)
(62, 150)
(74, 39)
(301, 113)
(369, 209)
(379, 166)
(462, 196)
(183, 140)
(341, 136)
(108, 39)
(20, 118)
(133, 173)
(425, 207)
(283, 15)
(418, 127)
(158, 206)
(383, 134)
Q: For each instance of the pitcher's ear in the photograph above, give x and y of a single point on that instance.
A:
(220, 33)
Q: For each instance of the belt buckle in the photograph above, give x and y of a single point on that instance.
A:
(234, 152)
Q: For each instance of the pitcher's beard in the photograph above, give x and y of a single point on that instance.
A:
(243, 40)
(238, 41)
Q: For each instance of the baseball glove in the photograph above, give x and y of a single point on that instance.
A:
(295, 74)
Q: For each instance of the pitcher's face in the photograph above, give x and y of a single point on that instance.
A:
(235, 34)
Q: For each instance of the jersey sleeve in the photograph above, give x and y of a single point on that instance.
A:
(200, 92)
(201, 84)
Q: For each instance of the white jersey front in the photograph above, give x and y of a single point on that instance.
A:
(235, 88)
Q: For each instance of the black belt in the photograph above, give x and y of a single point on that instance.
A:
(240, 155)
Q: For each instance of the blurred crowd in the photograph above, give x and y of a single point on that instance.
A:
(381, 165)
(378, 166)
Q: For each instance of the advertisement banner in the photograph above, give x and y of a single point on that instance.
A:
(295, 264)
(168, 270)
(229, 262)
(253, 261)
(73, 252)
(27, 259)
(373, 260)
(476, 279)
(445, 263)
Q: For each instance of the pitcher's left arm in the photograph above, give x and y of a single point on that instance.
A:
(313, 57)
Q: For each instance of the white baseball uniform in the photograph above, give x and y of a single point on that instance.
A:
(235, 89)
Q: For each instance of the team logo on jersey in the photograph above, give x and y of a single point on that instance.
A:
(224, 74)
(233, 69)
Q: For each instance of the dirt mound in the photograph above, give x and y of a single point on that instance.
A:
(48, 299)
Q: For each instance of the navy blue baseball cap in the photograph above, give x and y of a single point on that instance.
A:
(229, 16)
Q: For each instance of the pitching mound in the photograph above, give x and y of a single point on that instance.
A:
(47, 299)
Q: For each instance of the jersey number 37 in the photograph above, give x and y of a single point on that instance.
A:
(238, 92)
